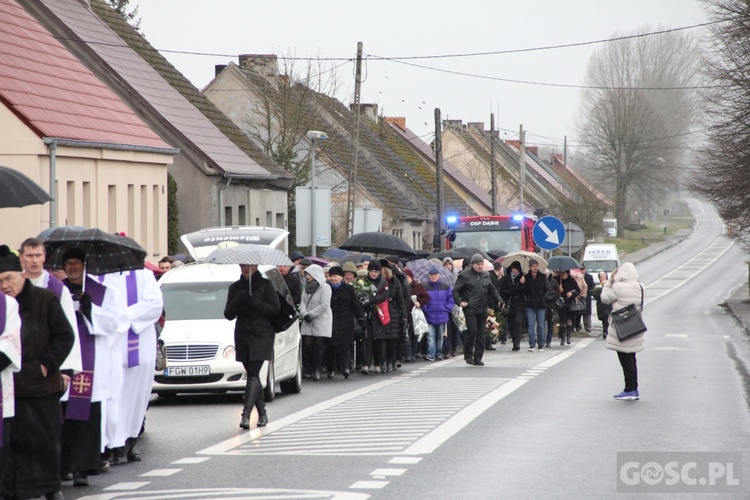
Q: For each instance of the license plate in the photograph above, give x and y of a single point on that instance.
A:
(187, 371)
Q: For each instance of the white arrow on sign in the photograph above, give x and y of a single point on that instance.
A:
(551, 235)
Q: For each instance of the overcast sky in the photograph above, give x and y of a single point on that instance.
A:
(387, 28)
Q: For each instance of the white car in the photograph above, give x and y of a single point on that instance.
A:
(200, 342)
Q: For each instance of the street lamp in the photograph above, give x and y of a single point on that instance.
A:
(313, 135)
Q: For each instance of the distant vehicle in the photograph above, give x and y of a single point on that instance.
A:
(204, 241)
(491, 232)
(610, 225)
(200, 341)
(599, 257)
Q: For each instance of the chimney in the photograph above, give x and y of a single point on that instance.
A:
(453, 124)
(475, 125)
(369, 110)
(218, 69)
(266, 65)
(533, 150)
(399, 121)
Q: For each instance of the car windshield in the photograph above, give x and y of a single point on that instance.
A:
(510, 241)
(184, 301)
(595, 266)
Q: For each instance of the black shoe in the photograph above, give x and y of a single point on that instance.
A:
(316, 376)
(516, 348)
(57, 495)
(118, 458)
(80, 479)
(469, 361)
(245, 421)
(331, 374)
(490, 348)
(67, 477)
(346, 373)
(478, 362)
(134, 455)
(262, 419)
(105, 466)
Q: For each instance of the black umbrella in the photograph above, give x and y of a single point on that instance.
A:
(468, 252)
(355, 257)
(419, 254)
(105, 253)
(377, 242)
(497, 253)
(562, 263)
(20, 191)
(335, 253)
(446, 253)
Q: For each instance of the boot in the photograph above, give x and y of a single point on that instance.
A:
(568, 333)
(251, 394)
(260, 405)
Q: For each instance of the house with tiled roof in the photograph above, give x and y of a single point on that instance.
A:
(399, 183)
(222, 177)
(64, 128)
(558, 165)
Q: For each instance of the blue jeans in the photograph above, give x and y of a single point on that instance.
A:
(435, 340)
(535, 320)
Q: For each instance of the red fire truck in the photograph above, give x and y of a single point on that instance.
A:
(491, 232)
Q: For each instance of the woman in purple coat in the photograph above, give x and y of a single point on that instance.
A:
(437, 312)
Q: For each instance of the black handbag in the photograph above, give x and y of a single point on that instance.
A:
(577, 306)
(286, 317)
(628, 321)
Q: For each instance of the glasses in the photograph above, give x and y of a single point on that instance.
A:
(9, 279)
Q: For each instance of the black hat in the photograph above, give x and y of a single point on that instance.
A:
(385, 263)
(8, 260)
(515, 264)
(74, 253)
(477, 258)
(306, 262)
(295, 255)
(337, 270)
(374, 266)
(392, 258)
(532, 262)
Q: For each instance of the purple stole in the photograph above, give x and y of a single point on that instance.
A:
(3, 312)
(131, 285)
(55, 286)
(82, 384)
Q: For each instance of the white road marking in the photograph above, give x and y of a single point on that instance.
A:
(369, 485)
(126, 486)
(679, 335)
(405, 460)
(191, 460)
(388, 472)
(160, 472)
(230, 493)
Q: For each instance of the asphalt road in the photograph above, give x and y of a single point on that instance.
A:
(527, 425)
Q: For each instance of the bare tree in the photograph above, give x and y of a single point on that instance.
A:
(634, 115)
(724, 175)
(121, 7)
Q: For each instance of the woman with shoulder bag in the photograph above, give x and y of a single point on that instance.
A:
(317, 319)
(621, 290)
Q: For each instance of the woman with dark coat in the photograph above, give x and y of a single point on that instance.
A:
(602, 310)
(416, 289)
(394, 330)
(252, 300)
(553, 316)
(347, 312)
(376, 330)
(513, 292)
(569, 290)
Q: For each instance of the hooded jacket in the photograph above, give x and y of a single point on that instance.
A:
(622, 289)
(317, 305)
(437, 310)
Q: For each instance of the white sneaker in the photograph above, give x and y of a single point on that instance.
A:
(532, 349)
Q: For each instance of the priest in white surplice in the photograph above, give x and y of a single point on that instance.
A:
(138, 346)
(10, 362)
(100, 311)
(33, 255)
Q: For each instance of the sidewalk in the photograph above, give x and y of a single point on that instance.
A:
(645, 253)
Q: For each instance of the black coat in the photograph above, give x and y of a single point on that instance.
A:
(253, 332)
(295, 287)
(397, 309)
(346, 311)
(375, 329)
(536, 290)
(513, 293)
(591, 284)
(476, 289)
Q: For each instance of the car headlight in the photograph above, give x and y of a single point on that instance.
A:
(229, 352)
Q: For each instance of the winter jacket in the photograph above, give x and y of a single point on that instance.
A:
(418, 290)
(438, 309)
(317, 305)
(535, 289)
(513, 293)
(46, 339)
(590, 285)
(295, 287)
(376, 329)
(621, 290)
(253, 332)
(346, 311)
(397, 309)
(476, 289)
(602, 310)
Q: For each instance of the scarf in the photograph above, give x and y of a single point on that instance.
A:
(311, 287)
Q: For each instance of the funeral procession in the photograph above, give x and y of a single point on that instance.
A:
(374, 250)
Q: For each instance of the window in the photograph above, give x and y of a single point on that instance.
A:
(227, 216)
(269, 219)
(131, 211)
(112, 208)
(280, 221)
(241, 215)
(71, 204)
(86, 222)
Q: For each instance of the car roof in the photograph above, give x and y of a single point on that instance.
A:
(205, 273)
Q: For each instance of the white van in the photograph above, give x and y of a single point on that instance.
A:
(200, 342)
(599, 257)
(610, 225)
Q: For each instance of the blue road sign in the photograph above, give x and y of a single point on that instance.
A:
(548, 232)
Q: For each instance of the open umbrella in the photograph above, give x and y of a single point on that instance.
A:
(497, 253)
(105, 253)
(420, 254)
(335, 253)
(421, 269)
(20, 191)
(319, 261)
(446, 253)
(356, 258)
(377, 242)
(468, 252)
(523, 257)
(249, 254)
(561, 263)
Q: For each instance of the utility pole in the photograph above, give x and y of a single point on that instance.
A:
(439, 172)
(350, 198)
(565, 152)
(522, 163)
(493, 171)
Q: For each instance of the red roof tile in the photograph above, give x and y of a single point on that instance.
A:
(47, 87)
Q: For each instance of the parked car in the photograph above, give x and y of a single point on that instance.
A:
(200, 342)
